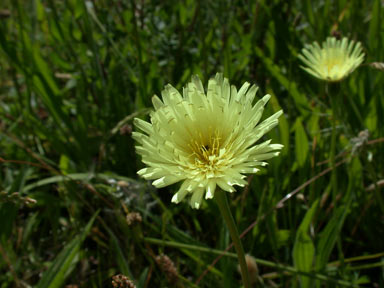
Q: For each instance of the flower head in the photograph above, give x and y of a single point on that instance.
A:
(335, 60)
(204, 139)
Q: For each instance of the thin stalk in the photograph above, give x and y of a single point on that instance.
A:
(188, 246)
(289, 269)
(358, 258)
(222, 202)
(367, 266)
(333, 143)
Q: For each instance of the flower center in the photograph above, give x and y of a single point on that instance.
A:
(330, 63)
(206, 150)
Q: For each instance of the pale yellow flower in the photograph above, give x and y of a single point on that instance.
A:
(335, 60)
(206, 140)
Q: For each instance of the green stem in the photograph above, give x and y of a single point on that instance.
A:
(358, 258)
(333, 144)
(222, 202)
(333, 139)
(263, 262)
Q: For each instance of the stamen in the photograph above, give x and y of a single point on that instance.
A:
(206, 151)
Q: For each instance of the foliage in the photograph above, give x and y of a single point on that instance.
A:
(74, 74)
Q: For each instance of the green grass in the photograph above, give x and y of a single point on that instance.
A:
(74, 74)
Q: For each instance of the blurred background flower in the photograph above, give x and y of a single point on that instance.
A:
(334, 60)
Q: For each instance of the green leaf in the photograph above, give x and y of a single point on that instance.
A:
(299, 98)
(304, 249)
(374, 26)
(329, 236)
(121, 260)
(143, 278)
(8, 213)
(64, 164)
(283, 123)
(283, 237)
(302, 145)
(328, 239)
(309, 12)
(55, 276)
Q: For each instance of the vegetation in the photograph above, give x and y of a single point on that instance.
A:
(74, 213)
